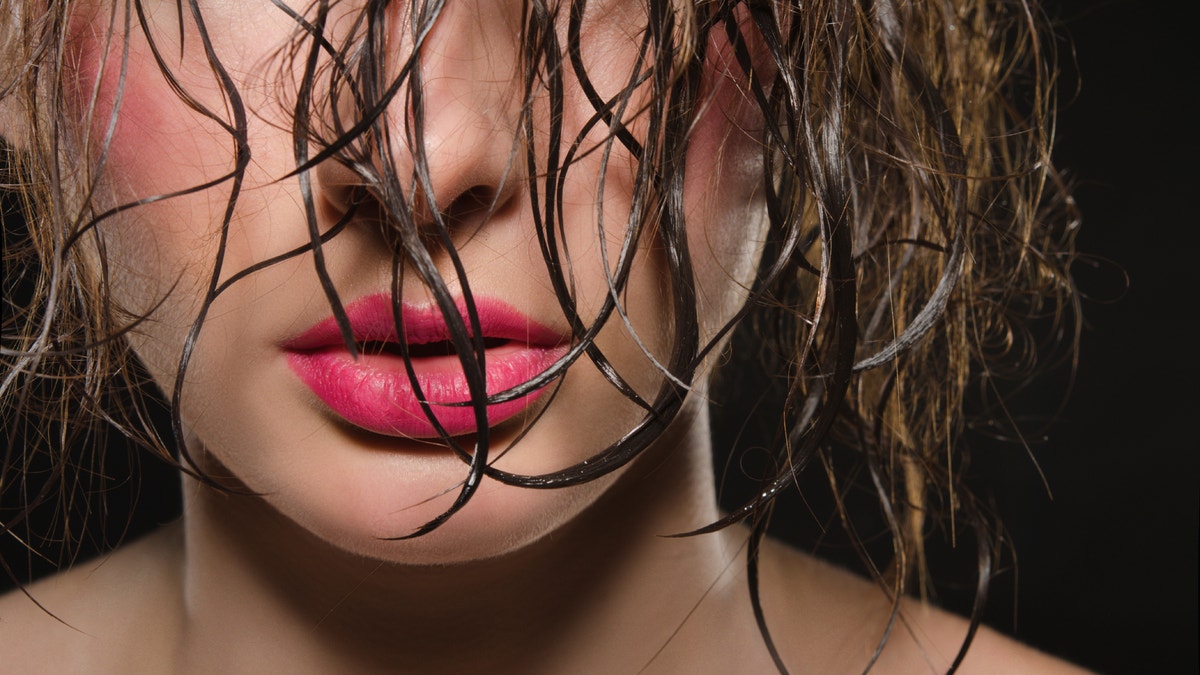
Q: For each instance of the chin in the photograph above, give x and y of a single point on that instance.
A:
(362, 495)
(499, 520)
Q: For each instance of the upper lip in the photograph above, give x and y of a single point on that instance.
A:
(372, 320)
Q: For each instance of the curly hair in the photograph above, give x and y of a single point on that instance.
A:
(917, 229)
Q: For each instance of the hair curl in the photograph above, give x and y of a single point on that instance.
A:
(917, 228)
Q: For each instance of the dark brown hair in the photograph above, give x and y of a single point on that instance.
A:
(917, 228)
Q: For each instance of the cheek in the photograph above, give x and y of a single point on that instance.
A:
(138, 144)
(724, 185)
(135, 140)
(728, 108)
(170, 156)
(130, 123)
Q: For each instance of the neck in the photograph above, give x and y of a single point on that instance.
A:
(607, 589)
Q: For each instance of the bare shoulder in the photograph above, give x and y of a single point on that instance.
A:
(825, 619)
(85, 617)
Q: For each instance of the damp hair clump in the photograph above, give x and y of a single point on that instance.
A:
(919, 245)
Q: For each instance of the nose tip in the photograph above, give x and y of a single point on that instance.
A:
(456, 180)
(464, 161)
(449, 138)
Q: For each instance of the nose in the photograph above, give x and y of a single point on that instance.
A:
(449, 137)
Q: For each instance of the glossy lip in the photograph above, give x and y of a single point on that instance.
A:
(374, 391)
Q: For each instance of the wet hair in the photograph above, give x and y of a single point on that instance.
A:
(917, 230)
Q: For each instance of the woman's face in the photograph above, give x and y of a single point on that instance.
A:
(270, 393)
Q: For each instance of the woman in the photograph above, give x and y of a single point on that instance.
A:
(435, 291)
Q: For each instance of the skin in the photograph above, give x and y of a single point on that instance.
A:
(302, 577)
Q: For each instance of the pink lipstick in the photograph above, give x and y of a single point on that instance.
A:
(374, 391)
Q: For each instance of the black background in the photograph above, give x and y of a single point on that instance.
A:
(1108, 569)
(1107, 573)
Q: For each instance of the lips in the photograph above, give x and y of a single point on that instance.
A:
(374, 392)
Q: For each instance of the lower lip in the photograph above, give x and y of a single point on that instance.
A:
(375, 393)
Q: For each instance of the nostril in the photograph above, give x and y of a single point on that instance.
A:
(339, 189)
(341, 193)
(476, 201)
